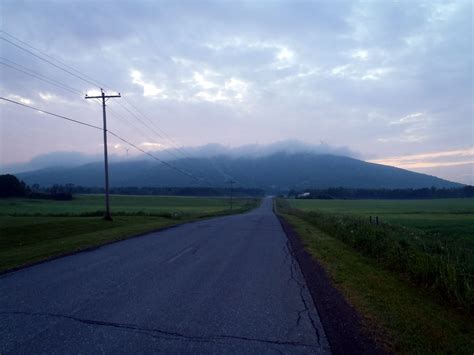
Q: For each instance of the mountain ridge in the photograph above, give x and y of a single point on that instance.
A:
(275, 172)
(210, 150)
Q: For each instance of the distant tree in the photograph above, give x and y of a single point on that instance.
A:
(10, 186)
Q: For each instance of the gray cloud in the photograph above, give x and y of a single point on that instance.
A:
(211, 150)
(240, 72)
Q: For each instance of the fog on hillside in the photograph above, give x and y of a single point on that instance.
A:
(71, 159)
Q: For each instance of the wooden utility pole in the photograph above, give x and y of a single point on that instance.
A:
(231, 182)
(107, 215)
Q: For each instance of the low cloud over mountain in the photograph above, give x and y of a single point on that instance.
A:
(73, 159)
(274, 172)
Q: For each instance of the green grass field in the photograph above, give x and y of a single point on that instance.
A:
(402, 318)
(446, 219)
(120, 204)
(33, 230)
(410, 277)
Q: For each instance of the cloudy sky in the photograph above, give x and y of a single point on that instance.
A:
(390, 80)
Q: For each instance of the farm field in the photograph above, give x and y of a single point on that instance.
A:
(33, 230)
(448, 219)
(403, 318)
(410, 276)
(120, 204)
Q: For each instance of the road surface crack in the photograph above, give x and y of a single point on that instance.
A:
(294, 267)
(164, 334)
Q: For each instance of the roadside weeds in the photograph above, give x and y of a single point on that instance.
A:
(398, 315)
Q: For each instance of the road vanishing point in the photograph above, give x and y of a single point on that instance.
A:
(223, 285)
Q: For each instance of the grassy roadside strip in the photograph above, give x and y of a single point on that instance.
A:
(405, 318)
(27, 240)
(425, 260)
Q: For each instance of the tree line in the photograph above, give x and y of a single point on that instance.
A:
(172, 191)
(356, 193)
(11, 186)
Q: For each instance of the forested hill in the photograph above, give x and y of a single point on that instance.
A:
(280, 171)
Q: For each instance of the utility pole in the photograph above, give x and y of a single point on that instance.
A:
(105, 98)
(231, 182)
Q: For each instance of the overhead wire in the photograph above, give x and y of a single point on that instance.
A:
(54, 82)
(226, 176)
(48, 61)
(95, 83)
(39, 76)
(154, 157)
(50, 113)
(101, 129)
(79, 74)
(58, 84)
(48, 80)
(144, 135)
(172, 150)
(87, 79)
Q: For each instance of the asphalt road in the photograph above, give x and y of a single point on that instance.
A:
(226, 285)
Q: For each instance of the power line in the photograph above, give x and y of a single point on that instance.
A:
(180, 149)
(140, 120)
(98, 84)
(170, 151)
(81, 75)
(39, 76)
(111, 132)
(154, 157)
(173, 148)
(43, 78)
(50, 113)
(50, 62)
(144, 135)
(94, 82)
(165, 135)
(117, 115)
(57, 84)
(149, 120)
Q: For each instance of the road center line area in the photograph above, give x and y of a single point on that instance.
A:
(225, 285)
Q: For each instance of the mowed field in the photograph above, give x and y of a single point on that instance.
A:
(447, 219)
(33, 230)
